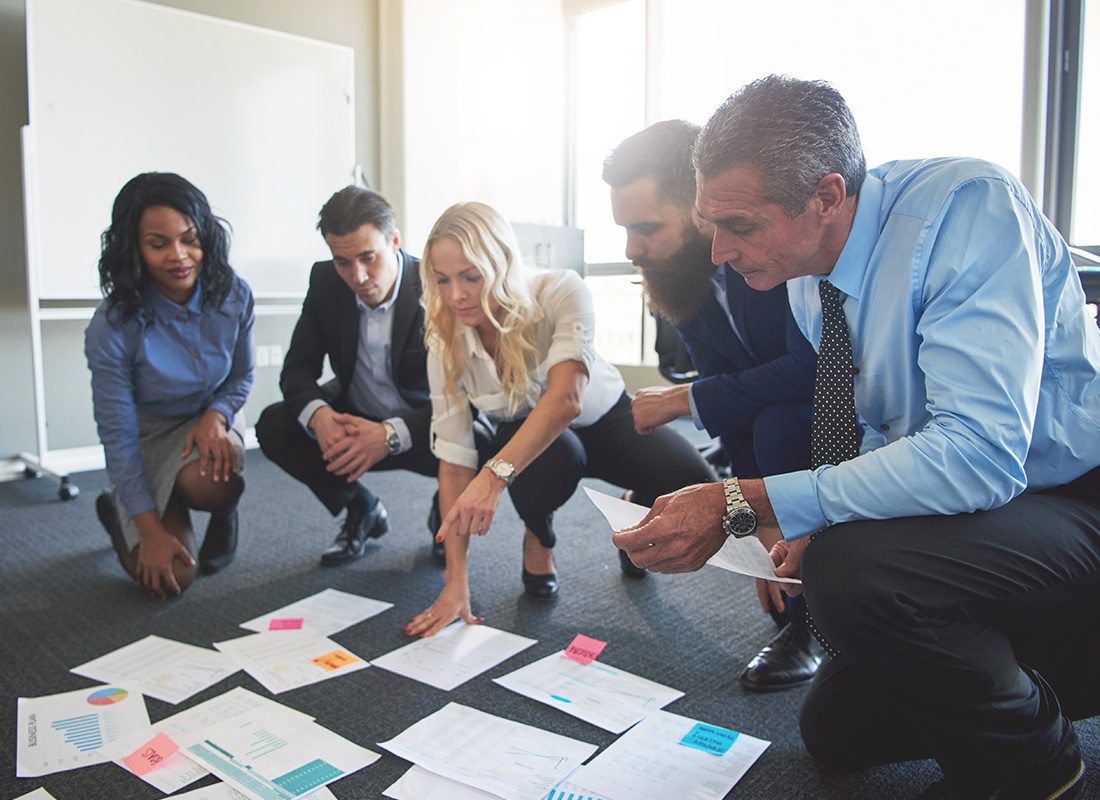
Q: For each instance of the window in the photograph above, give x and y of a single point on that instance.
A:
(1085, 229)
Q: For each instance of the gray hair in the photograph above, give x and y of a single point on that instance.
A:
(792, 132)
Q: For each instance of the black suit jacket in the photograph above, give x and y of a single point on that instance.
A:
(329, 326)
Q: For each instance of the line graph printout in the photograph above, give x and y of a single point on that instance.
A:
(65, 731)
(453, 656)
(657, 760)
(165, 669)
(509, 759)
(605, 696)
(285, 660)
(275, 758)
(324, 613)
(178, 770)
(419, 784)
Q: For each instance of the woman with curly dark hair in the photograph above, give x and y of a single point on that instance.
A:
(170, 350)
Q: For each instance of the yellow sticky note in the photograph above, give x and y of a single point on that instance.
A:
(335, 660)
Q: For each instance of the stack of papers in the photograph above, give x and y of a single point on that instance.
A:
(508, 759)
(285, 660)
(454, 655)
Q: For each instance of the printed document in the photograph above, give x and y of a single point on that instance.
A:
(419, 784)
(65, 731)
(322, 614)
(165, 669)
(285, 660)
(606, 696)
(223, 791)
(454, 655)
(505, 758)
(746, 555)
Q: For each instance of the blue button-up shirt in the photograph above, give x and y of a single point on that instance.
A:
(978, 362)
(172, 361)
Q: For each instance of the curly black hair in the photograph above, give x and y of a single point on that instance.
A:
(122, 274)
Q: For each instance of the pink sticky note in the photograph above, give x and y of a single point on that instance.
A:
(285, 624)
(151, 754)
(584, 649)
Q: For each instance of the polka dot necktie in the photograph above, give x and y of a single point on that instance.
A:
(834, 436)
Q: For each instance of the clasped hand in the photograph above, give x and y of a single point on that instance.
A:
(351, 445)
(216, 454)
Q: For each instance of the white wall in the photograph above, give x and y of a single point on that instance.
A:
(484, 110)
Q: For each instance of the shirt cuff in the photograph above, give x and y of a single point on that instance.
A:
(307, 415)
(794, 500)
(694, 410)
(402, 434)
(454, 453)
(223, 409)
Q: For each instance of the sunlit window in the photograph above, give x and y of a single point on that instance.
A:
(1085, 229)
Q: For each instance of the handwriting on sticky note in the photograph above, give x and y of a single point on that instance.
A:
(584, 649)
(710, 739)
(285, 624)
(151, 754)
(334, 660)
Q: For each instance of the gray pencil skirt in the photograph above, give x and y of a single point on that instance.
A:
(161, 444)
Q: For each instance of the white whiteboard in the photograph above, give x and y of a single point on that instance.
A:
(261, 121)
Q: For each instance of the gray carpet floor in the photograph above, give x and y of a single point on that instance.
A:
(65, 601)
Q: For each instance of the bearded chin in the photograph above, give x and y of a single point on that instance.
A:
(678, 286)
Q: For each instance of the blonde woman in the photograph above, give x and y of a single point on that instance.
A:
(517, 345)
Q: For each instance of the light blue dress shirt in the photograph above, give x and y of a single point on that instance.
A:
(171, 361)
(978, 362)
(373, 389)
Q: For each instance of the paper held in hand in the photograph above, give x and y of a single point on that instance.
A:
(746, 556)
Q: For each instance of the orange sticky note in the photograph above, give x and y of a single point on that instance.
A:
(584, 649)
(151, 754)
(335, 660)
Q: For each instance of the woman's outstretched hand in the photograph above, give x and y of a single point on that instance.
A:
(453, 603)
(472, 513)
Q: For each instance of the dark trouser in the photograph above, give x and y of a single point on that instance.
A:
(284, 441)
(609, 449)
(933, 617)
(777, 441)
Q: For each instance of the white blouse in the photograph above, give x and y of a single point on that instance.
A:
(564, 332)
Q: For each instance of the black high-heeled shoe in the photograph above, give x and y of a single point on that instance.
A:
(540, 587)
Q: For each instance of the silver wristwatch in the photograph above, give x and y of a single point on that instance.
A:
(393, 439)
(739, 520)
(502, 469)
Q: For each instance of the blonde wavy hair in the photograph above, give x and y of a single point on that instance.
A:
(489, 244)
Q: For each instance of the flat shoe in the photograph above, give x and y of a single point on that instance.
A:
(219, 547)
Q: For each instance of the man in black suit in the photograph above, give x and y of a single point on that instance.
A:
(363, 311)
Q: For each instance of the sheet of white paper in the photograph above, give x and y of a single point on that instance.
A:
(649, 763)
(419, 784)
(746, 556)
(606, 696)
(165, 669)
(273, 757)
(178, 770)
(505, 758)
(65, 731)
(454, 655)
(285, 660)
(324, 613)
(37, 794)
(223, 791)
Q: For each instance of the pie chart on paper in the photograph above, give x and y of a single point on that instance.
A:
(107, 697)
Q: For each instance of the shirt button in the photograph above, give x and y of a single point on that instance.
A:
(885, 427)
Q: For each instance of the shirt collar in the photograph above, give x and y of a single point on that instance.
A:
(385, 306)
(167, 310)
(851, 266)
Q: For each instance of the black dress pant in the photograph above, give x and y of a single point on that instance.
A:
(934, 617)
(283, 440)
(609, 449)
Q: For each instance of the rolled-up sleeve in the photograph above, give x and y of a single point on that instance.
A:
(111, 363)
(452, 429)
(569, 303)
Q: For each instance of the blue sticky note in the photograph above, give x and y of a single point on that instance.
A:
(710, 739)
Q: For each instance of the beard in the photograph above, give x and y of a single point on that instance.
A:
(677, 286)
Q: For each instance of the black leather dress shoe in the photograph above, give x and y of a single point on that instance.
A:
(541, 587)
(359, 525)
(219, 547)
(629, 568)
(107, 512)
(1060, 775)
(435, 522)
(790, 659)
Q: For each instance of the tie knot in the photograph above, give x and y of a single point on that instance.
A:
(830, 295)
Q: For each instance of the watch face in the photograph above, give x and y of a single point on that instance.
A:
(741, 522)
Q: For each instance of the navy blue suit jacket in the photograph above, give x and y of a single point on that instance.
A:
(736, 382)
